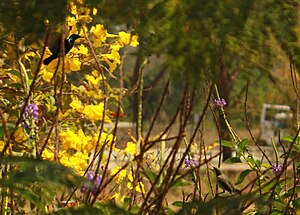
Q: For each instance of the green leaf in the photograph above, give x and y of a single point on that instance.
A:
(181, 183)
(10, 128)
(288, 138)
(182, 204)
(242, 145)
(268, 186)
(149, 174)
(227, 143)
(178, 204)
(16, 85)
(266, 165)
(14, 72)
(233, 160)
(290, 192)
(296, 203)
(250, 160)
(242, 176)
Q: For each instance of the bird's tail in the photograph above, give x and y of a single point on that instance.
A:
(48, 60)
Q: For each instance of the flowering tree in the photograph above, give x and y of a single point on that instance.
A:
(59, 110)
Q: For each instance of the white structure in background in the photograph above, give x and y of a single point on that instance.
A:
(274, 120)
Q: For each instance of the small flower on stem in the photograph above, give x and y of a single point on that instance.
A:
(190, 162)
(220, 103)
(31, 112)
(277, 168)
(95, 181)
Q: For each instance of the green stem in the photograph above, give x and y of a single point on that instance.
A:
(193, 170)
(276, 151)
(232, 132)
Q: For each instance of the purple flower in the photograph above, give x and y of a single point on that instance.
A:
(90, 175)
(220, 103)
(95, 181)
(83, 189)
(31, 110)
(190, 162)
(277, 168)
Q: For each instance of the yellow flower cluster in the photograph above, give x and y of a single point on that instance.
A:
(76, 148)
(98, 36)
(91, 112)
(139, 187)
(130, 148)
(118, 174)
(73, 62)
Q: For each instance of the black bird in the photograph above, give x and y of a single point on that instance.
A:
(55, 49)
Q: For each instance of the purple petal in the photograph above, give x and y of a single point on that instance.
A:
(90, 175)
(98, 180)
(83, 189)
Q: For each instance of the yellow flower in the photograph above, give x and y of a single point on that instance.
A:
(99, 34)
(129, 176)
(112, 59)
(95, 112)
(47, 154)
(77, 141)
(129, 185)
(29, 54)
(20, 135)
(128, 39)
(93, 80)
(95, 11)
(77, 161)
(69, 140)
(123, 198)
(46, 75)
(72, 64)
(73, 8)
(1, 145)
(116, 46)
(71, 21)
(62, 115)
(115, 196)
(83, 50)
(140, 187)
(130, 148)
(120, 176)
(85, 19)
(76, 104)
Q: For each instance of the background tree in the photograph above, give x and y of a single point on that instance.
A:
(215, 40)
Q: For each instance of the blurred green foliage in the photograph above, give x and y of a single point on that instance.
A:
(36, 180)
(200, 36)
(228, 41)
(27, 18)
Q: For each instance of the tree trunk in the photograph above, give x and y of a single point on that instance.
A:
(134, 85)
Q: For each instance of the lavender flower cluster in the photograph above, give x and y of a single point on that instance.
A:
(220, 103)
(96, 181)
(31, 112)
(190, 162)
(277, 168)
